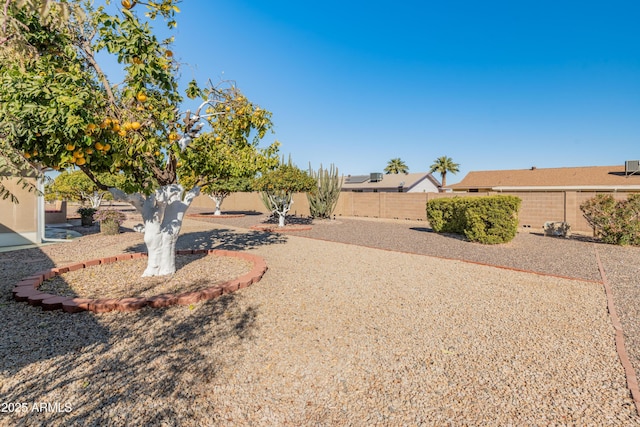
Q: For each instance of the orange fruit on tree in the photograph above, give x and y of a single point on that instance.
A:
(81, 161)
(173, 136)
(128, 4)
(70, 147)
(107, 147)
(141, 97)
(27, 155)
(99, 146)
(122, 132)
(135, 125)
(168, 54)
(88, 150)
(78, 153)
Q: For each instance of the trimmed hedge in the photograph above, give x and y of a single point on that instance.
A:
(488, 220)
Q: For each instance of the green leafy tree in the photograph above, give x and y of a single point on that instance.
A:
(443, 165)
(279, 185)
(76, 186)
(13, 46)
(228, 158)
(396, 166)
(59, 110)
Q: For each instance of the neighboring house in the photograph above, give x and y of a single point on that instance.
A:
(622, 178)
(422, 182)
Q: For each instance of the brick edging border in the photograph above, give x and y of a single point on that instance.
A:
(27, 288)
(630, 373)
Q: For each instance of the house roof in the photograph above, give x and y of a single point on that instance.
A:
(389, 181)
(587, 178)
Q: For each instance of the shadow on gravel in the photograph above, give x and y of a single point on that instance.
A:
(289, 220)
(573, 237)
(222, 238)
(422, 229)
(26, 329)
(140, 368)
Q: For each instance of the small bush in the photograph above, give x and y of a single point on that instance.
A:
(614, 222)
(488, 220)
(446, 215)
(110, 215)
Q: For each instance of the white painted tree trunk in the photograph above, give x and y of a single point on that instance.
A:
(281, 204)
(162, 213)
(218, 199)
(94, 198)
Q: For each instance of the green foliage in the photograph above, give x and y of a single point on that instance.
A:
(228, 155)
(396, 166)
(279, 185)
(87, 212)
(488, 220)
(446, 215)
(286, 179)
(58, 108)
(615, 222)
(322, 202)
(76, 186)
(492, 220)
(442, 165)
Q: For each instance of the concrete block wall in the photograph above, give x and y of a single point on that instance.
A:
(536, 209)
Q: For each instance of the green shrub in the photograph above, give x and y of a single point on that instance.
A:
(488, 220)
(492, 220)
(614, 222)
(446, 215)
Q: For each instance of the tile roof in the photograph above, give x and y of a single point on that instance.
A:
(589, 176)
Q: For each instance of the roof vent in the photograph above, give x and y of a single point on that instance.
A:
(631, 167)
(375, 176)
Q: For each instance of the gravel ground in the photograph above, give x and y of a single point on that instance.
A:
(335, 334)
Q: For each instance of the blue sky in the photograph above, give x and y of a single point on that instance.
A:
(493, 84)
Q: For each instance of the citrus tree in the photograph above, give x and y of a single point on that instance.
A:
(76, 186)
(228, 158)
(279, 185)
(12, 163)
(60, 110)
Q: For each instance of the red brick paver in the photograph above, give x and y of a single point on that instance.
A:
(27, 288)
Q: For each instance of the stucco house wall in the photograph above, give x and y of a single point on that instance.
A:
(20, 223)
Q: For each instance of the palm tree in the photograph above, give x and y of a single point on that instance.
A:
(396, 166)
(442, 165)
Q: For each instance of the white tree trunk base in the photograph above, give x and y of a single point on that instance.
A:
(162, 213)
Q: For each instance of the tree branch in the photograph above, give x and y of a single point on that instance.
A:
(93, 178)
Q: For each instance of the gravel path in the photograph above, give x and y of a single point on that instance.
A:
(335, 334)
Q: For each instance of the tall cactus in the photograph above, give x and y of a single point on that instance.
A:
(323, 201)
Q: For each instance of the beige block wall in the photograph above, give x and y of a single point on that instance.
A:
(250, 202)
(536, 209)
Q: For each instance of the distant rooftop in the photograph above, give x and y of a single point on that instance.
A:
(578, 177)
